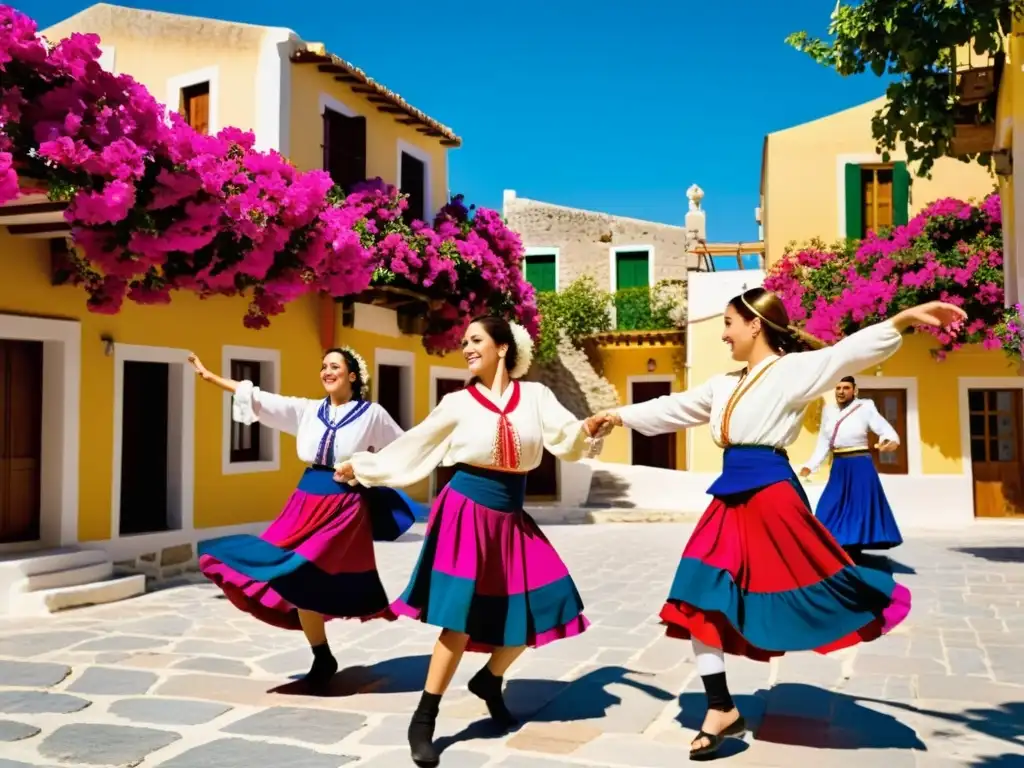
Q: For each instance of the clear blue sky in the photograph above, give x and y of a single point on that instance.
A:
(603, 104)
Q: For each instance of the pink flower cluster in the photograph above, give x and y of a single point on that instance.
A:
(155, 206)
(950, 251)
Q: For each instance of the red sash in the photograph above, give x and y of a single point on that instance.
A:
(507, 452)
(835, 432)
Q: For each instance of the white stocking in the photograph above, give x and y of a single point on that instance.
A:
(710, 661)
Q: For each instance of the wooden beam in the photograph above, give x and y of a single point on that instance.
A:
(10, 211)
(59, 229)
(329, 68)
(364, 89)
(392, 110)
(347, 78)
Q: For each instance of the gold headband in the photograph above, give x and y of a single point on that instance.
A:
(762, 318)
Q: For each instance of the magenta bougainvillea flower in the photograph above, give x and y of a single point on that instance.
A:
(951, 251)
(155, 207)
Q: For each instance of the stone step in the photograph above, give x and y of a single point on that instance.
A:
(31, 563)
(69, 577)
(46, 601)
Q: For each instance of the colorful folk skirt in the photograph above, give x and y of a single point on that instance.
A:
(760, 576)
(487, 570)
(853, 505)
(316, 556)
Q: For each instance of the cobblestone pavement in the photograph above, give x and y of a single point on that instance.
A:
(179, 679)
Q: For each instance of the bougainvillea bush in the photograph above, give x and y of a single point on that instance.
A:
(155, 207)
(951, 251)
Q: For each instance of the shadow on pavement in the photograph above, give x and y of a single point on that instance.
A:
(995, 554)
(1002, 721)
(998, 761)
(802, 715)
(555, 701)
(884, 563)
(402, 675)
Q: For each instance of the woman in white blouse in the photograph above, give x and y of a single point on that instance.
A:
(316, 560)
(760, 576)
(487, 575)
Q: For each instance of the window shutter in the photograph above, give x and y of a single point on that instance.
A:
(632, 270)
(854, 203)
(540, 272)
(900, 194)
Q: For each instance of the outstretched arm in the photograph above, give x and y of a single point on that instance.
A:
(668, 413)
(888, 438)
(819, 455)
(565, 436)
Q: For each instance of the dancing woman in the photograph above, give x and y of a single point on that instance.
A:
(315, 561)
(760, 575)
(487, 575)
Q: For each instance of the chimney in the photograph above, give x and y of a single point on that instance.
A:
(696, 223)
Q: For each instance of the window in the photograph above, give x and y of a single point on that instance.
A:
(541, 271)
(877, 196)
(632, 269)
(995, 425)
(245, 438)
(344, 148)
(892, 404)
(413, 180)
(195, 106)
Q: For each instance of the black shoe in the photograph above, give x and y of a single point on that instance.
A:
(421, 740)
(738, 728)
(487, 686)
(319, 677)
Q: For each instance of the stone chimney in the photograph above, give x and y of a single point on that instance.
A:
(696, 223)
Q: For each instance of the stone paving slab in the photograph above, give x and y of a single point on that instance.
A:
(178, 678)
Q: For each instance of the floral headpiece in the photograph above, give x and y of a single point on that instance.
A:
(364, 371)
(524, 351)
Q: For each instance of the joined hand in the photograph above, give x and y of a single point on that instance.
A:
(343, 472)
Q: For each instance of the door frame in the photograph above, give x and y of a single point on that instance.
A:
(649, 378)
(913, 437)
(59, 453)
(400, 359)
(441, 372)
(964, 385)
(269, 360)
(181, 455)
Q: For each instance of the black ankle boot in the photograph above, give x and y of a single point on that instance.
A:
(325, 666)
(421, 731)
(487, 686)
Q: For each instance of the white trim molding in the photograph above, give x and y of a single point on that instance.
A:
(547, 250)
(913, 437)
(405, 148)
(270, 439)
(401, 359)
(859, 158)
(648, 378)
(441, 372)
(964, 385)
(210, 75)
(181, 417)
(59, 454)
(615, 250)
(327, 101)
(108, 58)
(273, 88)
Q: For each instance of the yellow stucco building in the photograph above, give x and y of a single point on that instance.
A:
(824, 180)
(116, 444)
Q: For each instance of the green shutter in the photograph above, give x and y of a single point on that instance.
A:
(854, 203)
(900, 194)
(540, 272)
(631, 269)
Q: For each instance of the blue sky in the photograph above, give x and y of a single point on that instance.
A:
(604, 104)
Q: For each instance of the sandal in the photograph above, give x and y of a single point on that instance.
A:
(737, 728)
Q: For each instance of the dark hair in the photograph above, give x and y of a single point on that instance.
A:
(849, 380)
(353, 367)
(769, 309)
(501, 333)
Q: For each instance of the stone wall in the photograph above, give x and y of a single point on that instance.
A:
(584, 239)
(575, 382)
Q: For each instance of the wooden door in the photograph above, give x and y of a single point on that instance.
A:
(144, 432)
(892, 404)
(21, 428)
(443, 387)
(542, 483)
(660, 450)
(344, 148)
(389, 392)
(196, 106)
(996, 465)
(414, 180)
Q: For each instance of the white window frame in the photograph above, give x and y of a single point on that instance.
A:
(108, 58)
(861, 158)
(912, 440)
(401, 359)
(424, 157)
(327, 101)
(210, 75)
(181, 455)
(647, 378)
(441, 372)
(546, 250)
(59, 452)
(613, 254)
(964, 385)
(270, 439)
